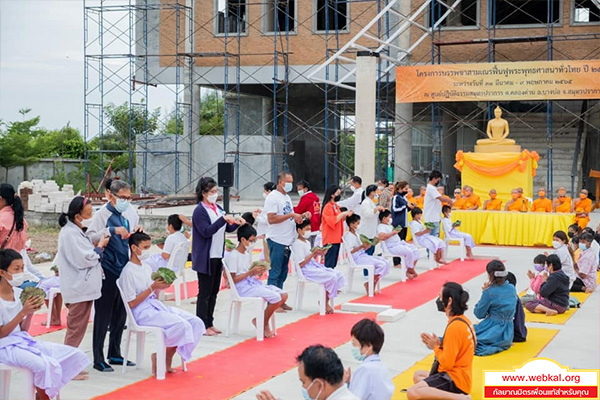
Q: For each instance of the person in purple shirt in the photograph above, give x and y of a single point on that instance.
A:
(209, 224)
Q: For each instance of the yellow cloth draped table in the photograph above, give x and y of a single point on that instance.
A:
(500, 171)
(512, 228)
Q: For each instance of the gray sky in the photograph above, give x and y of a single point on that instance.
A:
(41, 62)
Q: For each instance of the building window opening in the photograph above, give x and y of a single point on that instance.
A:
(465, 14)
(332, 15)
(526, 12)
(280, 16)
(586, 11)
(231, 16)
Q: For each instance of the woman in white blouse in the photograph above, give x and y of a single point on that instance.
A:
(369, 213)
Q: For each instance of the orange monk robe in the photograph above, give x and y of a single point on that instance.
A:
(565, 206)
(458, 204)
(542, 205)
(410, 199)
(519, 205)
(471, 202)
(583, 206)
(494, 205)
(420, 201)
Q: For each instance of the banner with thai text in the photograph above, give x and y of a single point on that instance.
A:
(532, 80)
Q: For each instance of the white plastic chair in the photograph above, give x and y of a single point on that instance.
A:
(390, 257)
(51, 294)
(27, 386)
(235, 310)
(141, 331)
(301, 283)
(461, 246)
(432, 263)
(353, 268)
(178, 260)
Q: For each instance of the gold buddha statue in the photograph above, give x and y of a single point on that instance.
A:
(497, 131)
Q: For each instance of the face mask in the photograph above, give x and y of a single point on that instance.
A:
(514, 196)
(380, 187)
(305, 394)
(583, 196)
(556, 244)
(583, 246)
(121, 205)
(18, 279)
(337, 198)
(493, 196)
(86, 222)
(212, 198)
(538, 267)
(541, 194)
(306, 235)
(353, 189)
(440, 305)
(404, 192)
(288, 187)
(356, 354)
(571, 235)
(301, 193)
(264, 195)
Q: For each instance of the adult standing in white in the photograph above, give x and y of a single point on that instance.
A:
(353, 202)
(433, 202)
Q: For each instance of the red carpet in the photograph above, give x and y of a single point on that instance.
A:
(232, 371)
(36, 328)
(410, 294)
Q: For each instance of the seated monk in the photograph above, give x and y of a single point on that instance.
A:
(542, 203)
(516, 204)
(459, 199)
(420, 200)
(497, 131)
(493, 204)
(472, 201)
(410, 198)
(443, 193)
(524, 199)
(563, 203)
(582, 209)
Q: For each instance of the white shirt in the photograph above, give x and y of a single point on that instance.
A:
(596, 249)
(353, 202)
(432, 206)
(343, 393)
(368, 218)
(301, 250)
(351, 240)
(134, 280)
(132, 216)
(238, 263)
(392, 241)
(262, 224)
(567, 263)
(415, 227)
(284, 232)
(447, 225)
(171, 243)
(10, 309)
(372, 380)
(218, 239)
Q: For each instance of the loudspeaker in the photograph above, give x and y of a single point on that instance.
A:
(225, 174)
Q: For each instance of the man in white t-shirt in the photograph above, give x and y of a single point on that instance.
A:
(281, 232)
(352, 203)
(433, 202)
(175, 238)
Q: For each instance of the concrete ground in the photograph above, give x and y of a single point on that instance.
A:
(577, 345)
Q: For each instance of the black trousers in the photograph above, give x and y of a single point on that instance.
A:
(109, 311)
(402, 235)
(208, 289)
(578, 285)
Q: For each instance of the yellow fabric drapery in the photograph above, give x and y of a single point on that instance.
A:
(512, 228)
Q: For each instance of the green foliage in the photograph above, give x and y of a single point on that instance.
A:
(165, 274)
(212, 110)
(347, 142)
(32, 292)
(76, 178)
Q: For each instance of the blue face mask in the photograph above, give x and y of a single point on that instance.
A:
(583, 246)
(356, 354)
(305, 394)
(288, 187)
(121, 205)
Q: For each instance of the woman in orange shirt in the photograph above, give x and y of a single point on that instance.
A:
(452, 374)
(332, 224)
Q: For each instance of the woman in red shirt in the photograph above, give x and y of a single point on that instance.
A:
(332, 224)
(309, 202)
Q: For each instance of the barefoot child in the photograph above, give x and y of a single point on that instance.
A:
(246, 280)
(53, 365)
(536, 278)
(181, 330)
(314, 271)
(396, 246)
(358, 251)
(451, 231)
(554, 292)
(422, 235)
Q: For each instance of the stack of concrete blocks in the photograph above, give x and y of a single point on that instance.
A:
(48, 197)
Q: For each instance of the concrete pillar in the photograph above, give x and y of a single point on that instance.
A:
(404, 113)
(366, 84)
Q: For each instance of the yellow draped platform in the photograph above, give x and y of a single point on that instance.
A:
(512, 228)
(500, 171)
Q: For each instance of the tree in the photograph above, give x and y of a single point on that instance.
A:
(19, 145)
(212, 114)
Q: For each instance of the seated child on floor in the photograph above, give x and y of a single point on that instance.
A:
(53, 365)
(46, 284)
(554, 291)
(451, 231)
(182, 330)
(536, 278)
(372, 380)
(519, 320)
(422, 236)
(312, 270)
(357, 249)
(586, 266)
(247, 280)
(396, 246)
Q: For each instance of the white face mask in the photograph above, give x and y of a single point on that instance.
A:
(212, 198)
(145, 254)
(86, 222)
(380, 187)
(264, 195)
(306, 234)
(18, 279)
(301, 193)
(250, 247)
(288, 186)
(352, 188)
(556, 244)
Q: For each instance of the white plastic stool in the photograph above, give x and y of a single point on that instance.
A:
(28, 388)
